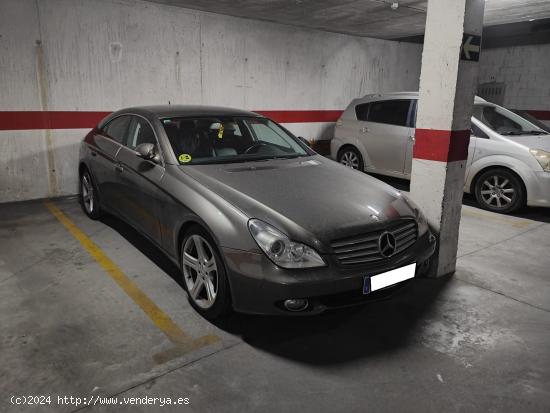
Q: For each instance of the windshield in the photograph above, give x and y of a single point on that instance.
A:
(532, 119)
(504, 121)
(230, 139)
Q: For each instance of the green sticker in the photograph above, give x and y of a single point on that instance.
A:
(184, 158)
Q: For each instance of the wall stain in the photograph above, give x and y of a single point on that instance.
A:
(115, 51)
(41, 76)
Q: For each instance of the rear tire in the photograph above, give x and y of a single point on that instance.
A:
(500, 190)
(88, 196)
(204, 275)
(351, 157)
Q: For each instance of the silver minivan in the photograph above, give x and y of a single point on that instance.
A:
(508, 163)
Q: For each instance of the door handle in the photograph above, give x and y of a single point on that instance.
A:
(119, 168)
(94, 153)
(364, 129)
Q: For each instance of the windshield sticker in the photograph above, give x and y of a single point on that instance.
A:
(220, 131)
(184, 158)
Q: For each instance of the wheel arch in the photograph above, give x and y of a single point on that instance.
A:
(346, 146)
(364, 158)
(184, 228)
(491, 167)
(82, 167)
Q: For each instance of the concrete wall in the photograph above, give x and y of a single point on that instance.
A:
(101, 55)
(525, 71)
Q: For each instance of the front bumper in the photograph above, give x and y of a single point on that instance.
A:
(538, 189)
(258, 286)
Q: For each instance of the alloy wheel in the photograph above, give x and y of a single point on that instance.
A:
(87, 194)
(350, 159)
(497, 191)
(200, 271)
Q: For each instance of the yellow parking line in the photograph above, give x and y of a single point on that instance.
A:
(174, 333)
(499, 218)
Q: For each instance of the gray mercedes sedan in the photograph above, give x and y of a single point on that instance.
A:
(256, 221)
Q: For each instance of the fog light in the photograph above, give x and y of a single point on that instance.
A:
(296, 304)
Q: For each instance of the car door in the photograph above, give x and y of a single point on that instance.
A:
(138, 180)
(385, 135)
(108, 142)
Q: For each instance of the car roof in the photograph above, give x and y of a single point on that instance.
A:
(401, 95)
(173, 111)
(168, 111)
(349, 112)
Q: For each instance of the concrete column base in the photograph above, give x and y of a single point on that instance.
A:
(434, 190)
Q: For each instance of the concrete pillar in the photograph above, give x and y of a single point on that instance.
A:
(448, 81)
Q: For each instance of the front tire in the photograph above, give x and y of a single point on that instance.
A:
(350, 157)
(88, 196)
(204, 275)
(500, 190)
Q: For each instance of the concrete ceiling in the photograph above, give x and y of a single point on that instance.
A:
(370, 18)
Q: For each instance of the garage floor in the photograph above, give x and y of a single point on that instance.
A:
(92, 309)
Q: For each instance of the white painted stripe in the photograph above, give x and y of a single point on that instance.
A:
(392, 277)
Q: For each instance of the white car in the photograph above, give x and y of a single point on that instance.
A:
(508, 162)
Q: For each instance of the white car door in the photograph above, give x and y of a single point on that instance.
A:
(385, 135)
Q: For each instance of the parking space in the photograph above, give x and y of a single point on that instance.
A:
(476, 340)
(290, 205)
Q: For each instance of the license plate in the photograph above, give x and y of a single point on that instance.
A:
(378, 281)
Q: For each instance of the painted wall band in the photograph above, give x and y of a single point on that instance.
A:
(31, 120)
(441, 145)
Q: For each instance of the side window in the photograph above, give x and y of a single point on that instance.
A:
(477, 132)
(140, 132)
(117, 128)
(362, 110)
(266, 134)
(392, 112)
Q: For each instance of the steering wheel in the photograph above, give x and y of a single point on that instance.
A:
(254, 148)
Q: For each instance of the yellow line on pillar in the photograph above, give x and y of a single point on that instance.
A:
(174, 333)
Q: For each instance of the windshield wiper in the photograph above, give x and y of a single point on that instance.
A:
(287, 156)
(239, 160)
(534, 132)
(524, 132)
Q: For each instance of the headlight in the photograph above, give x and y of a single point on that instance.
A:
(280, 249)
(542, 157)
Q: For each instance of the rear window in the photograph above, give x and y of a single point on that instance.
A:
(362, 110)
(391, 112)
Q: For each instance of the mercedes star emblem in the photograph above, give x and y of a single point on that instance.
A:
(386, 244)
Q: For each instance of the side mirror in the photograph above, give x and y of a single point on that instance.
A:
(147, 151)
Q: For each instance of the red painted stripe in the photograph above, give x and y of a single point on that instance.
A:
(540, 114)
(28, 120)
(441, 145)
(21, 120)
(13, 120)
(301, 116)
